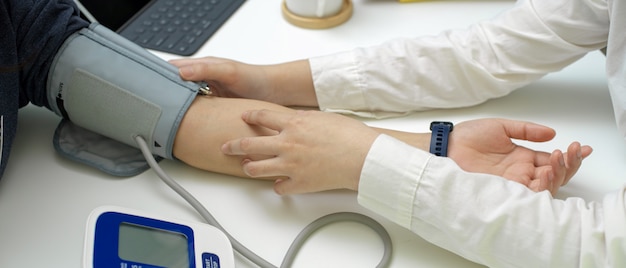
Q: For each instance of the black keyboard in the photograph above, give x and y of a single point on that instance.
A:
(179, 26)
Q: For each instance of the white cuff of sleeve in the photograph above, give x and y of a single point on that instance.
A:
(390, 177)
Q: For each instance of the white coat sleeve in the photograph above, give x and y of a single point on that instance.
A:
(461, 67)
(487, 219)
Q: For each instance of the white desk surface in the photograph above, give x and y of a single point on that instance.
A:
(45, 199)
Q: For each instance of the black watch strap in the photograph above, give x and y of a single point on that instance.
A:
(439, 139)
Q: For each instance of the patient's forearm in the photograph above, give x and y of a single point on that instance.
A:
(211, 121)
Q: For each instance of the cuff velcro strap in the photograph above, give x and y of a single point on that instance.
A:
(93, 149)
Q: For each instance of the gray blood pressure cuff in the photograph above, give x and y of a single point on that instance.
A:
(109, 90)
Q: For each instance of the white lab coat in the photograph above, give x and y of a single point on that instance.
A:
(481, 217)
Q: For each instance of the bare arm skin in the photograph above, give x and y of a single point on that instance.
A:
(211, 121)
(291, 84)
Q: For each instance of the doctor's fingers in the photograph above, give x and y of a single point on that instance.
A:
(266, 145)
(223, 73)
(574, 158)
(551, 176)
(271, 167)
(204, 60)
(559, 169)
(542, 180)
(527, 131)
(271, 119)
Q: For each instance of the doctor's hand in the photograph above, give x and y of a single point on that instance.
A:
(486, 146)
(288, 84)
(315, 151)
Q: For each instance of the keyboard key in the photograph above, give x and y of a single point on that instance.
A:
(179, 26)
(172, 40)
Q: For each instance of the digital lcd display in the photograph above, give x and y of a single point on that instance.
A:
(152, 246)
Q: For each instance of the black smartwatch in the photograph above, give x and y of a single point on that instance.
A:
(439, 139)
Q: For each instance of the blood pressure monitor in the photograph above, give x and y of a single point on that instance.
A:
(125, 238)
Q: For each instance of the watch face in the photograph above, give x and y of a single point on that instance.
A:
(441, 123)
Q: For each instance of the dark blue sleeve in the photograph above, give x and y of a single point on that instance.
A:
(31, 31)
(42, 26)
